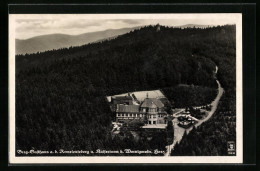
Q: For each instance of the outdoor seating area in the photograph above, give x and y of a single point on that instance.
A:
(185, 122)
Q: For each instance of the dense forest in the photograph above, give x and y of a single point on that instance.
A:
(182, 96)
(60, 94)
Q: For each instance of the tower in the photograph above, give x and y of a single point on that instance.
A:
(158, 27)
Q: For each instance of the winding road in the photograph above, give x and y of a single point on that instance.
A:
(179, 131)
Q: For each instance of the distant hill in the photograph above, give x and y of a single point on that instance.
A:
(57, 41)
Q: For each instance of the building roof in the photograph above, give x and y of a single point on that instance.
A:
(122, 97)
(128, 108)
(152, 103)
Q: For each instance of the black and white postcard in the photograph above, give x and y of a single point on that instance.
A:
(125, 88)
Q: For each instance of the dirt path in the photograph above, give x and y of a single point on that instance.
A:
(179, 131)
(213, 109)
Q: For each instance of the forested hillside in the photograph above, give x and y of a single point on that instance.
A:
(60, 94)
(210, 139)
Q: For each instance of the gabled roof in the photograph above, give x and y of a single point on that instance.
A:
(122, 97)
(152, 103)
(128, 108)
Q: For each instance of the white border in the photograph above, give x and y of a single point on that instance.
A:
(235, 17)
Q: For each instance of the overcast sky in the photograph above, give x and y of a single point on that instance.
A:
(27, 26)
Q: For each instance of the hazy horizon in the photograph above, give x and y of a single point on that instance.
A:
(28, 26)
(109, 29)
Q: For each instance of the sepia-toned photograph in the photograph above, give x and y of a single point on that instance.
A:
(125, 88)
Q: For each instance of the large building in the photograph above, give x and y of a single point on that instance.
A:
(125, 100)
(122, 100)
(150, 111)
